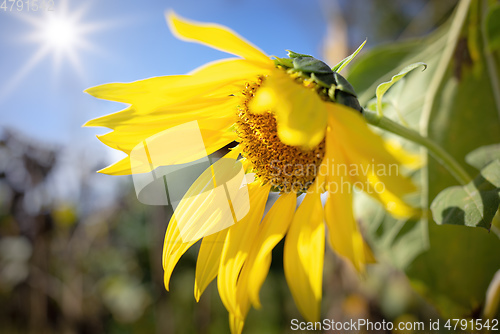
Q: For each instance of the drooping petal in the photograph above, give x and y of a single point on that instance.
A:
(300, 113)
(343, 233)
(208, 261)
(173, 248)
(356, 136)
(407, 159)
(383, 188)
(236, 324)
(303, 256)
(215, 36)
(255, 269)
(369, 162)
(239, 241)
(199, 214)
(271, 231)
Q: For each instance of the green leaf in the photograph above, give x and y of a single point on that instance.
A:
(344, 62)
(451, 265)
(493, 27)
(384, 87)
(482, 156)
(474, 204)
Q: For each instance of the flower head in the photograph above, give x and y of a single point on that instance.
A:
(299, 130)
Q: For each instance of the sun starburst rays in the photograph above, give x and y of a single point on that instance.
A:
(60, 35)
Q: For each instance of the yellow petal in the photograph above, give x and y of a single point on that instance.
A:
(369, 165)
(369, 256)
(212, 140)
(134, 92)
(303, 256)
(208, 261)
(300, 113)
(198, 215)
(408, 159)
(215, 36)
(354, 133)
(167, 116)
(343, 233)
(217, 199)
(236, 324)
(239, 242)
(127, 140)
(173, 248)
(213, 80)
(126, 136)
(389, 189)
(271, 231)
(121, 167)
(344, 236)
(203, 89)
(213, 76)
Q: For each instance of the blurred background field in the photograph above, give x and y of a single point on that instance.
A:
(78, 252)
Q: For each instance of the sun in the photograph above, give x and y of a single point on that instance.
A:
(61, 34)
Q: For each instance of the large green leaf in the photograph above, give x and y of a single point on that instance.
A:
(482, 156)
(456, 103)
(474, 204)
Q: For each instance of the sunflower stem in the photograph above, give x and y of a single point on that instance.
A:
(434, 149)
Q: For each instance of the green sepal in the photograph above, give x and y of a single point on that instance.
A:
(343, 84)
(285, 62)
(347, 60)
(347, 100)
(323, 79)
(310, 65)
(292, 54)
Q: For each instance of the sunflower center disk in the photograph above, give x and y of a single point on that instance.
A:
(287, 168)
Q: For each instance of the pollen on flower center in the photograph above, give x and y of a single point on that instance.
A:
(287, 168)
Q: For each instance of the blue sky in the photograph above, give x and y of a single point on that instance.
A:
(130, 41)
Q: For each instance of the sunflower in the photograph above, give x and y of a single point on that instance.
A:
(299, 130)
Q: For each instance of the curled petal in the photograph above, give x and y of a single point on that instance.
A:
(215, 36)
(300, 113)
